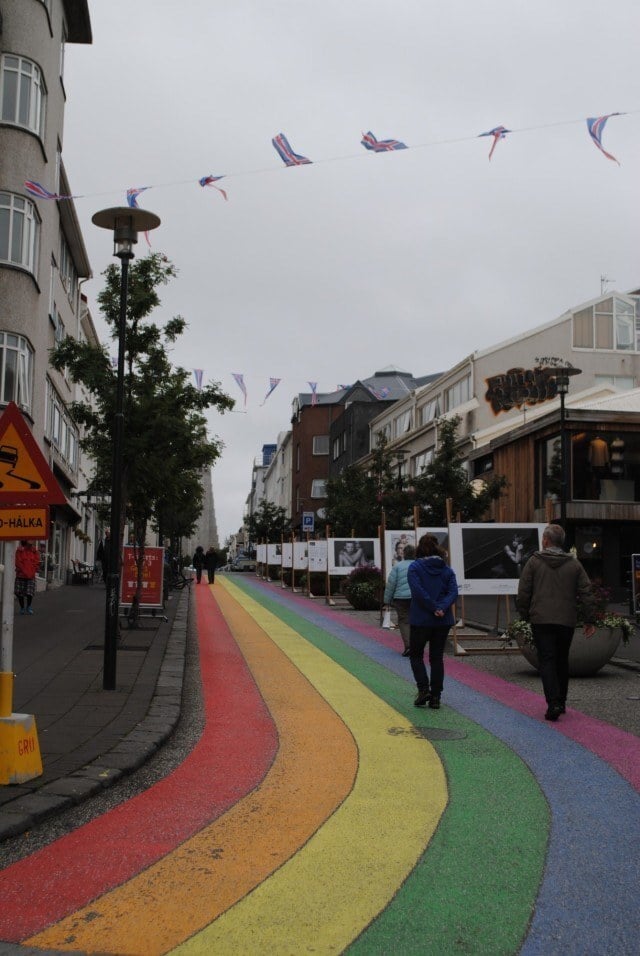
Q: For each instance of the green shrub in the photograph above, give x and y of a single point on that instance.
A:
(363, 589)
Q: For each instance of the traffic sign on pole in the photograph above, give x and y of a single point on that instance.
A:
(308, 521)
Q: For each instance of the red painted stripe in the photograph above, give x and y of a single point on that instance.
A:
(236, 749)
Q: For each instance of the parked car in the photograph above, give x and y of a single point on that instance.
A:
(243, 563)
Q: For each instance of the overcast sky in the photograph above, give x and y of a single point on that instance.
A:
(332, 271)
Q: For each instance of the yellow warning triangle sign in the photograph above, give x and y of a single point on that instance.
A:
(25, 476)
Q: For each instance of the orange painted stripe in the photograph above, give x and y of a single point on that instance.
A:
(313, 773)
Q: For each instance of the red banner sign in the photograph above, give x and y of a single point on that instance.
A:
(152, 576)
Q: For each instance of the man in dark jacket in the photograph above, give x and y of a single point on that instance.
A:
(551, 584)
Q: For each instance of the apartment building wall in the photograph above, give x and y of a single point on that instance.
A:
(42, 255)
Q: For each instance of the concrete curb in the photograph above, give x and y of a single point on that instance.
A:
(129, 754)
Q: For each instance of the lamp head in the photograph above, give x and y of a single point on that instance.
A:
(125, 222)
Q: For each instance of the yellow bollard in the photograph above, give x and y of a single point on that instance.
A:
(20, 758)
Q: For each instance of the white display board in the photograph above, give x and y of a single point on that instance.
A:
(261, 553)
(317, 555)
(395, 541)
(287, 555)
(274, 554)
(488, 558)
(345, 554)
(300, 555)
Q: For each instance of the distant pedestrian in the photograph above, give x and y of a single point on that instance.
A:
(211, 563)
(198, 562)
(103, 554)
(27, 562)
(434, 590)
(551, 584)
(398, 593)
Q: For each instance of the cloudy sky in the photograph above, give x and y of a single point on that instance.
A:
(360, 261)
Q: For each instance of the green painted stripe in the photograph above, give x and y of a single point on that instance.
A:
(474, 890)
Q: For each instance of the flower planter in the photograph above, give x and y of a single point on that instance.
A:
(587, 655)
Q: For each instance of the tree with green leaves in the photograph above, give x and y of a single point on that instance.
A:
(165, 443)
(268, 522)
(357, 498)
(446, 477)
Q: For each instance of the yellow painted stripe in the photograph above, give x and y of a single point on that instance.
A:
(346, 874)
(312, 774)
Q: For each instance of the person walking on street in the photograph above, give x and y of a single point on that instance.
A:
(198, 562)
(434, 590)
(27, 562)
(211, 563)
(103, 555)
(551, 584)
(398, 593)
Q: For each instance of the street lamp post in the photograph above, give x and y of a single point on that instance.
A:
(125, 223)
(562, 376)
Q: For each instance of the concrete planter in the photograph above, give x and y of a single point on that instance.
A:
(587, 655)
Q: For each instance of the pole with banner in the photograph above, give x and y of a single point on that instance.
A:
(27, 489)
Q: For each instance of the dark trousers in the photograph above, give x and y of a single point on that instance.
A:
(402, 606)
(436, 638)
(198, 575)
(211, 574)
(552, 643)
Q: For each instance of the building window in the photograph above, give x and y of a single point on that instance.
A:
(610, 325)
(622, 382)
(383, 435)
(22, 93)
(422, 461)
(458, 394)
(427, 413)
(336, 448)
(60, 429)
(19, 232)
(319, 488)
(16, 370)
(320, 444)
(402, 424)
(68, 273)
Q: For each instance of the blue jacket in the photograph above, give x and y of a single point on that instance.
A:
(433, 588)
(397, 587)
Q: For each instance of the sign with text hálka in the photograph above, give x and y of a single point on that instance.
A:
(28, 524)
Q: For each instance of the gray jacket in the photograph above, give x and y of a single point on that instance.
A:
(550, 586)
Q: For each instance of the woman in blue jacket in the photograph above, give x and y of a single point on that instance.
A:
(434, 590)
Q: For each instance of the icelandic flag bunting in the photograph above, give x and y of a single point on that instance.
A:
(286, 154)
(381, 145)
(132, 196)
(273, 384)
(37, 190)
(314, 392)
(210, 180)
(239, 379)
(498, 132)
(596, 125)
(197, 374)
(380, 393)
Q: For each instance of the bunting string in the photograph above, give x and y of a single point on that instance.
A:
(595, 128)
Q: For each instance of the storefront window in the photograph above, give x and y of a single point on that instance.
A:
(549, 469)
(605, 466)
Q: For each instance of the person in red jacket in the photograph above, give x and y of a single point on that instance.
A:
(27, 563)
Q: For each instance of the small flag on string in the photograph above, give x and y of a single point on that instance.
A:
(132, 196)
(132, 201)
(239, 379)
(380, 393)
(596, 125)
(210, 180)
(286, 154)
(273, 384)
(38, 190)
(369, 141)
(498, 132)
(341, 387)
(314, 392)
(197, 374)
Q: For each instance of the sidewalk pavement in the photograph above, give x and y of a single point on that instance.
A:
(90, 737)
